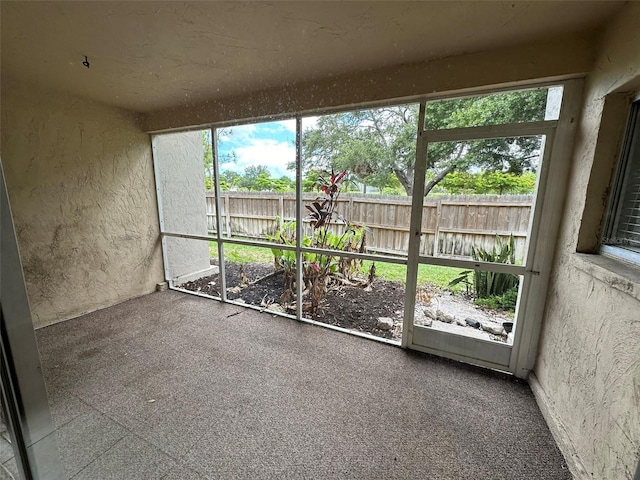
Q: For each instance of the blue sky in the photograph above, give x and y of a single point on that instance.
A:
(271, 144)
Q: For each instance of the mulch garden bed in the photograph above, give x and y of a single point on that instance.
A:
(345, 306)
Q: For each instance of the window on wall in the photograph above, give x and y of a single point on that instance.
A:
(622, 233)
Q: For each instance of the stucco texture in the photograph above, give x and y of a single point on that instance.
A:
(589, 359)
(180, 173)
(81, 186)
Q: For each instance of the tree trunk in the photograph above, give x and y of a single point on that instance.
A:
(406, 180)
(437, 179)
(447, 170)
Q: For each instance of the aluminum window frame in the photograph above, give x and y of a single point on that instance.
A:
(522, 356)
(626, 164)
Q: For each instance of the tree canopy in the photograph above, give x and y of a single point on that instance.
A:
(255, 178)
(379, 145)
(497, 183)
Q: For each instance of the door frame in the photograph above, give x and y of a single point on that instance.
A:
(518, 358)
(22, 386)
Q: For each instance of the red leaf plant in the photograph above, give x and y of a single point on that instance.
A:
(322, 271)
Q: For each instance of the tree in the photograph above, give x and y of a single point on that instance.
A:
(207, 155)
(229, 179)
(258, 178)
(208, 159)
(373, 144)
(254, 175)
(311, 180)
(283, 184)
(379, 145)
(499, 183)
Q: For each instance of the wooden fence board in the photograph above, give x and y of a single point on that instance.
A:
(450, 225)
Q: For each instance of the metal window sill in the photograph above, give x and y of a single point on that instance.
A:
(616, 273)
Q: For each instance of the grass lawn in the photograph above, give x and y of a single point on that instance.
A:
(242, 253)
(437, 275)
(440, 276)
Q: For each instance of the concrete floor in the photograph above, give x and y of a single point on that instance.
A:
(172, 386)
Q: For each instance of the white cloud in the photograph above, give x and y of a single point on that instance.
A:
(286, 124)
(240, 133)
(309, 122)
(270, 153)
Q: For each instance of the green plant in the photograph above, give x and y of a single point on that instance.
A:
(506, 301)
(321, 269)
(285, 259)
(491, 285)
(488, 284)
(352, 239)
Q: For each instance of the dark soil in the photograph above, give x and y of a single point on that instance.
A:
(345, 306)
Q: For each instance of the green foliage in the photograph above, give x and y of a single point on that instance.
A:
(368, 143)
(393, 191)
(255, 178)
(380, 143)
(317, 268)
(286, 235)
(488, 284)
(491, 285)
(229, 179)
(311, 179)
(207, 159)
(493, 109)
(207, 154)
(320, 269)
(283, 184)
(506, 301)
(498, 183)
(502, 252)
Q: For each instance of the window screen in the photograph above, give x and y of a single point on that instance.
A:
(624, 221)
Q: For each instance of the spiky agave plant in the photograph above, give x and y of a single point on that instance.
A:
(491, 284)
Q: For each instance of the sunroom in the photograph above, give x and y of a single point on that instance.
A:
(362, 167)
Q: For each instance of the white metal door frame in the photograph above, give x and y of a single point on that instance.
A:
(518, 358)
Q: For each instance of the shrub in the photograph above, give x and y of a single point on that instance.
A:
(506, 301)
(319, 268)
(493, 288)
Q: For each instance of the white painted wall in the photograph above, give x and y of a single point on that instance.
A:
(589, 359)
(80, 181)
(180, 174)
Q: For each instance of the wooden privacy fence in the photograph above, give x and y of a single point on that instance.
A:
(450, 225)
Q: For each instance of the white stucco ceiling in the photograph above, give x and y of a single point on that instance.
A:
(146, 56)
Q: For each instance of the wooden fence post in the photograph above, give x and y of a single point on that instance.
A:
(227, 216)
(436, 235)
(350, 217)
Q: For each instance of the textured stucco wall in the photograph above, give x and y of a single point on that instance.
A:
(178, 157)
(589, 358)
(80, 181)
